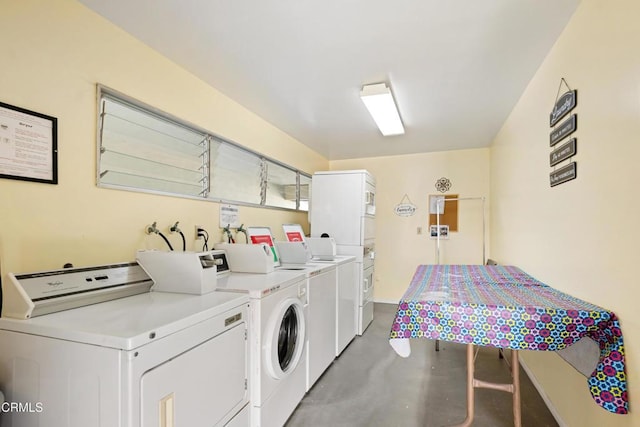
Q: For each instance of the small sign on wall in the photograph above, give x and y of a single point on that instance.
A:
(436, 204)
(563, 174)
(229, 216)
(444, 232)
(564, 104)
(405, 207)
(565, 129)
(563, 152)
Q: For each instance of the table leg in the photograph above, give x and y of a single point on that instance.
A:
(470, 386)
(473, 383)
(515, 374)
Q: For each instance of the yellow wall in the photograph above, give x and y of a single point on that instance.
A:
(582, 236)
(53, 54)
(399, 249)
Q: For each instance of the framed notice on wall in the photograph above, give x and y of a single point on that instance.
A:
(28, 145)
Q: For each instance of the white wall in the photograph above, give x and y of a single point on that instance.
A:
(581, 237)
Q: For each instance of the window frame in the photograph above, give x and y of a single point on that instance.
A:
(211, 137)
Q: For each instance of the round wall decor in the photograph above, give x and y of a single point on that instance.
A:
(443, 185)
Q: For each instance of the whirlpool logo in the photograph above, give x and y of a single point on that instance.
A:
(57, 283)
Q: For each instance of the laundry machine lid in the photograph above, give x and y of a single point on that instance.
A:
(337, 260)
(128, 323)
(260, 285)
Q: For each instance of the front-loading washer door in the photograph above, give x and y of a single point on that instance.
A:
(285, 338)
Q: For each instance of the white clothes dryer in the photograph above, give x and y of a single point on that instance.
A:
(136, 361)
(277, 336)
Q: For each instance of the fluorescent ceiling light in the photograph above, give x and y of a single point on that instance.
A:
(379, 101)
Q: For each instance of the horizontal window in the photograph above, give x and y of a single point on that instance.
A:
(142, 149)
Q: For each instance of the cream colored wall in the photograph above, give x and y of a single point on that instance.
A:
(53, 54)
(582, 236)
(399, 249)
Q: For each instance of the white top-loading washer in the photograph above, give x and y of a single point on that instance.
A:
(345, 298)
(129, 362)
(347, 288)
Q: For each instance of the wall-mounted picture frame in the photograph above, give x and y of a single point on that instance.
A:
(28, 145)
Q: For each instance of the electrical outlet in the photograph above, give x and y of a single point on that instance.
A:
(198, 235)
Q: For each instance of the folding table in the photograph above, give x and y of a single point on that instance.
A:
(504, 307)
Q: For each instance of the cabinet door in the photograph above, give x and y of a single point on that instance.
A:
(200, 387)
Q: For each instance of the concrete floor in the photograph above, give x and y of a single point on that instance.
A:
(369, 386)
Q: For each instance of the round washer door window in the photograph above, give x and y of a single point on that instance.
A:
(285, 341)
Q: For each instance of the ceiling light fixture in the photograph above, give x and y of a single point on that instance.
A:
(382, 107)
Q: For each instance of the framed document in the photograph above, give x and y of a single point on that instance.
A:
(28, 145)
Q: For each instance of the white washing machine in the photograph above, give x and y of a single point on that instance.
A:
(277, 348)
(321, 320)
(153, 359)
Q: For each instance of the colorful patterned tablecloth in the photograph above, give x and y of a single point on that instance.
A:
(502, 306)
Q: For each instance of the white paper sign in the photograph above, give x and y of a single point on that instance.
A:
(229, 216)
(434, 206)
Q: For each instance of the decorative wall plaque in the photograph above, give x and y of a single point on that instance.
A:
(443, 185)
(564, 104)
(563, 152)
(563, 174)
(405, 207)
(565, 129)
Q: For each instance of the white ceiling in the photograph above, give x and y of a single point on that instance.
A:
(456, 67)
